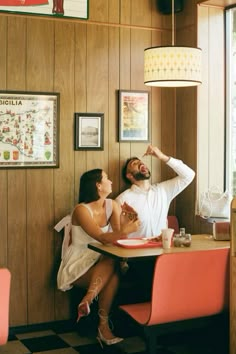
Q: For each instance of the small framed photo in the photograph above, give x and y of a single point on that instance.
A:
(89, 131)
(133, 116)
(29, 129)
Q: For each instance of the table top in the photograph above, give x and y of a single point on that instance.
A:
(199, 243)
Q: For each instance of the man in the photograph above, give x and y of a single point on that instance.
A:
(152, 201)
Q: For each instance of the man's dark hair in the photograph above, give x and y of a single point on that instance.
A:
(124, 168)
(88, 190)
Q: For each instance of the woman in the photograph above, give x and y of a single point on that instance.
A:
(98, 219)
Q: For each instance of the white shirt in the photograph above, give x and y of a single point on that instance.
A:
(152, 206)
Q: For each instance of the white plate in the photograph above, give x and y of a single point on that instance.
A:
(131, 242)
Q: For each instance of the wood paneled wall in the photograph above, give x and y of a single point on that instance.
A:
(86, 62)
(186, 117)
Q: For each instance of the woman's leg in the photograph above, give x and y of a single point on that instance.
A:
(96, 278)
(103, 280)
(105, 301)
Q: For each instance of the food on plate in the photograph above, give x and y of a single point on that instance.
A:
(154, 239)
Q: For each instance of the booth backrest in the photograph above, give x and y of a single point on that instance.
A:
(5, 280)
(186, 285)
(173, 223)
(190, 285)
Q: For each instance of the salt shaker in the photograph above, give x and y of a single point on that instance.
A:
(187, 240)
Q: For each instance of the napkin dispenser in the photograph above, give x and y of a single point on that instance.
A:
(221, 231)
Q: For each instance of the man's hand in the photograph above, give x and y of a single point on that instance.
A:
(154, 151)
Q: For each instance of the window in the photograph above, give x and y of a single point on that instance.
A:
(231, 100)
(211, 102)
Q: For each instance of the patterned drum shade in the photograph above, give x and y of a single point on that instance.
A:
(172, 66)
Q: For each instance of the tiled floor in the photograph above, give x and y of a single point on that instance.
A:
(68, 338)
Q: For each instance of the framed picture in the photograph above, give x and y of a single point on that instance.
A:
(29, 129)
(89, 133)
(55, 8)
(133, 116)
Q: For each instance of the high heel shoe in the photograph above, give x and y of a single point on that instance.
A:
(105, 341)
(83, 310)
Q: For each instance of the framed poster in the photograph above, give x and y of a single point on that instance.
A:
(67, 8)
(89, 134)
(133, 116)
(29, 129)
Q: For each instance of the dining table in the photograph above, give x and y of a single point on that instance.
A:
(199, 242)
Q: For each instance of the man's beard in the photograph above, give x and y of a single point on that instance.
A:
(138, 176)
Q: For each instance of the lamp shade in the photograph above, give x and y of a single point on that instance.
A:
(172, 66)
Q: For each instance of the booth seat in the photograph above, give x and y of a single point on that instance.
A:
(185, 286)
(173, 223)
(5, 281)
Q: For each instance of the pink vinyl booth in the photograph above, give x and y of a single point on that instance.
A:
(5, 281)
(185, 286)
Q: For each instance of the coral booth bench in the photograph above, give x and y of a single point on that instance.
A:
(185, 286)
(5, 280)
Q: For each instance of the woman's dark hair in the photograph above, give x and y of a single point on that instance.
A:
(124, 168)
(88, 190)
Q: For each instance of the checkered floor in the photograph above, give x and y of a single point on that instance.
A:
(68, 338)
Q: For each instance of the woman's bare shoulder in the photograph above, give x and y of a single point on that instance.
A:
(80, 211)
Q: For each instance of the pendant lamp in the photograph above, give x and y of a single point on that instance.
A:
(172, 66)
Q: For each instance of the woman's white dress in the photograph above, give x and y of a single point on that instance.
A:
(78, 258)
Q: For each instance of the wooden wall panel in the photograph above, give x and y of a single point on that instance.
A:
(187, 19)
(156, 103)
(3, 52)
(139, 40)
(17, 245)
(16, 74)
(186, 123)
(97, 88)
(3, 173)
(40, 237)
(125, 12)
(98, 10)
(140, 13)
(64, 83)
(17, 212)
(114, 11)
(40, 188)
(64, 188)
(156, 130)
(3, 219)
(125, 84)
(80, 96)
(168, 142)
(113, 145)
(186, 119)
